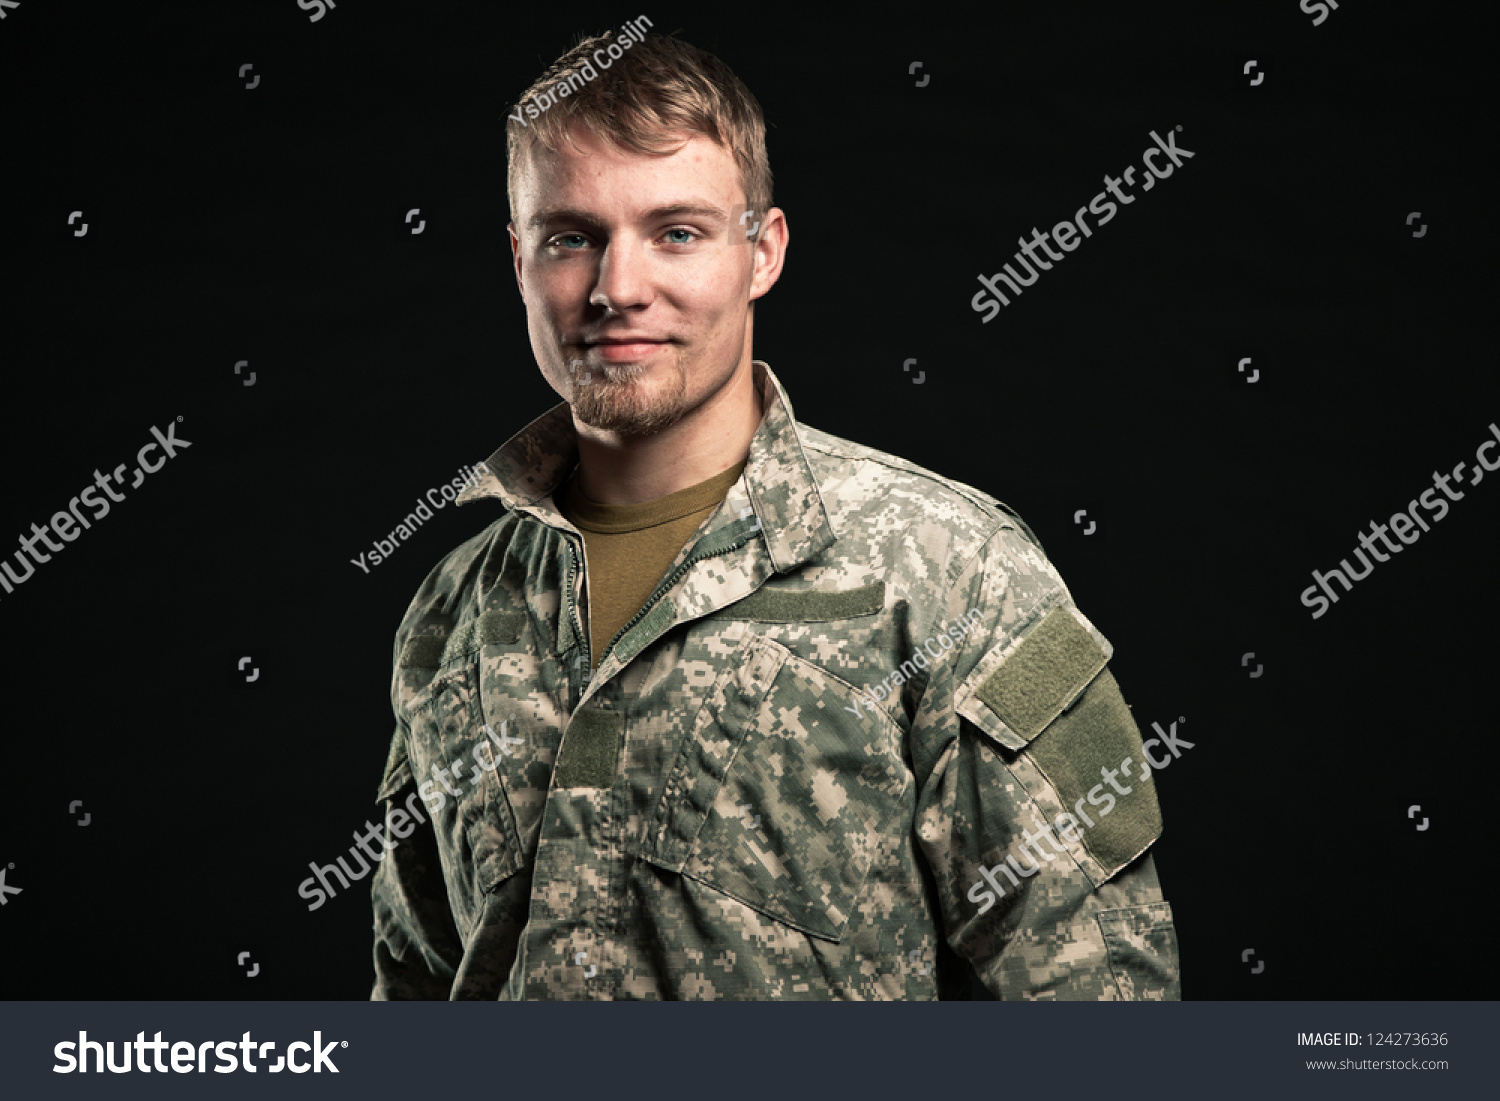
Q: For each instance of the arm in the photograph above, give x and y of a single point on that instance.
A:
(417, 946)
(1035, 808)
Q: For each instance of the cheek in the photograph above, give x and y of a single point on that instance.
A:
(721, 291)
(549, 298)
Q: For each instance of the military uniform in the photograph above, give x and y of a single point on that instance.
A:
(803, 770)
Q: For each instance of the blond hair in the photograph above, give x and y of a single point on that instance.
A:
(656, 88)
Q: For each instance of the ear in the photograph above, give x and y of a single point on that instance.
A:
(769, 252)
(515, 252)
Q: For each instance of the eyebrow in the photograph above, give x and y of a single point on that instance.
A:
(711, 214)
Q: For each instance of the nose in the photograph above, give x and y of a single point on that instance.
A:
(624, 276)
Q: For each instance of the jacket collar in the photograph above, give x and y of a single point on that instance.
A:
(778, 479)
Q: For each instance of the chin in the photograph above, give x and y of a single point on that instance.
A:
(629, 408)
(629, 398)
(629, 422)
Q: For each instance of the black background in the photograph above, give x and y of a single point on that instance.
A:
(266, 225)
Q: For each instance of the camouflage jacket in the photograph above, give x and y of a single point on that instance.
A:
(803, 770)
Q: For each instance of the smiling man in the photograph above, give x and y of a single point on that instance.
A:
(723, 706)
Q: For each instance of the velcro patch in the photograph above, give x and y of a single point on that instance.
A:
(1094, 735)
(767, 605)
(488, 628)
(430, 652)
(1046, 672)
(423, 652)
(590, 749)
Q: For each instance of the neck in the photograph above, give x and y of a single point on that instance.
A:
(629, 470)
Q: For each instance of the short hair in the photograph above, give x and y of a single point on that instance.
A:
(658, 89)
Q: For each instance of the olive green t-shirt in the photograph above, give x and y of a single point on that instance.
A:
(629, 547)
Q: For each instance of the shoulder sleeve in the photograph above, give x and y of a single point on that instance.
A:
(417, 945)
(1036, 808)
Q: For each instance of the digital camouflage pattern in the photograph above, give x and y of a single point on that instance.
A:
(726, 809)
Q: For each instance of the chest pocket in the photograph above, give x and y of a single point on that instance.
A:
(780, 797)
(465, 738)
(476, 831)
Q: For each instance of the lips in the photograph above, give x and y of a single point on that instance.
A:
(625, 349)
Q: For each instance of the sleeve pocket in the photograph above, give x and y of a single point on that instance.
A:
(1142, 945)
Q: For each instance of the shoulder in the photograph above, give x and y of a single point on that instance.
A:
(452, 584)
(866, 489)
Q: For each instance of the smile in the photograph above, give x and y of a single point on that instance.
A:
(625, 352)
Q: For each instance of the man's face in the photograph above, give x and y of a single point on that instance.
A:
(637, 287)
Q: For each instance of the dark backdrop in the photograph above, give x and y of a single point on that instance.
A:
(266, 225)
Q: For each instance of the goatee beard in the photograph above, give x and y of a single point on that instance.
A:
(611, 396)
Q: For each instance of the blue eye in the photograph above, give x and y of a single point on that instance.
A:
(689, 233)
(568, 236)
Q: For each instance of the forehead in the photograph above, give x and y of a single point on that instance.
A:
(602, 177)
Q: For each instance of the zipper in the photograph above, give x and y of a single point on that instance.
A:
(671, 579)
(579, 677)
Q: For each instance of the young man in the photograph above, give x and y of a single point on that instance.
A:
(724, 706)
